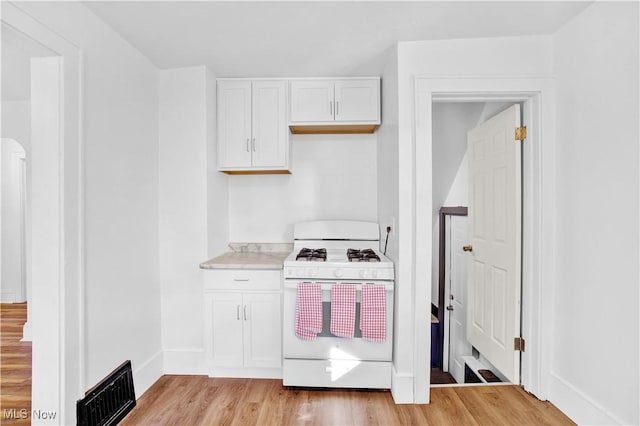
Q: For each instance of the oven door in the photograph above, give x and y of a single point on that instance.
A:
(326, 345)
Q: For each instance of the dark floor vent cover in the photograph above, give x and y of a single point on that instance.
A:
(109, 401)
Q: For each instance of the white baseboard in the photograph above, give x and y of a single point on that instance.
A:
(401, 387)
(26, 332)
(8, 297)
(578, 406)
(147, 373)
(189, 361)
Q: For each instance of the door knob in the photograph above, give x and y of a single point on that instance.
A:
(467, 248)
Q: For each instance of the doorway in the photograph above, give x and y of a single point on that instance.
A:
(56, 217)
(465, 136)
(13, 220)
(538, 99)
(449, 367)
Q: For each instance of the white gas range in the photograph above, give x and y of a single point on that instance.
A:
(330, 254)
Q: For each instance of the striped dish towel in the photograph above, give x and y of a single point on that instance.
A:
(309, 311)
(343, 310)
(373, 313)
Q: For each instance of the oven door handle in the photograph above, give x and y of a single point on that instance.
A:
(327, 286)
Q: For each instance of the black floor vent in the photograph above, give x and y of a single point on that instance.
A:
(110, 400)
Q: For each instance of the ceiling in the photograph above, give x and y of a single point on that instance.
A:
(319, 38)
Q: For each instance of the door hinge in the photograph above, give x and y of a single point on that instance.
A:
(521, 133)
(518, 344)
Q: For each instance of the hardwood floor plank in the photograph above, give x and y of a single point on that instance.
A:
(200, 400)
(15, 366)
(447, 405)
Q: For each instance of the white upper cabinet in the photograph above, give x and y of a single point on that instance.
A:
(357, 100)
(335, 106)
(234, 124)
(312, 100)
(252, 126)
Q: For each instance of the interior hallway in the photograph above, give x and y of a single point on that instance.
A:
(15, 366)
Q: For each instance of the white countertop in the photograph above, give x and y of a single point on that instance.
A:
(250, 256)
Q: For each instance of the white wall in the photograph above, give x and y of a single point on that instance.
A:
(389, 192)
(334, 177)
(183, 113)
(217, 183)
(12, 278)
(122, 286)
(457, 58)
(451, 121)
(596, 299)
(16, 123)
(387, 150)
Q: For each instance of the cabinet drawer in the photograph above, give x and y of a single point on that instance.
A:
(242, 279)
(336, 373)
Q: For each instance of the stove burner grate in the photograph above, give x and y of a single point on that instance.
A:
(312, 255)
(366, 255)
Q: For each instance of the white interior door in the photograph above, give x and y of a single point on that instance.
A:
(458, 344)
(493, 319)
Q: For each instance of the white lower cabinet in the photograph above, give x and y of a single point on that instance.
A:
(243, 333)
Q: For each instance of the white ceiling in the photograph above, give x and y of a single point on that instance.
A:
(320, 38)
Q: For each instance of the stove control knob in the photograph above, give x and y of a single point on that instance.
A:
(310, 272)
(374, 274)
(363, 273)
(299, 272)
(337, 273)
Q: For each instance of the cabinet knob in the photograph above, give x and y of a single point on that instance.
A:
(467, 248)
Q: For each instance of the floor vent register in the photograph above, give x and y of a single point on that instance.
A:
(109, 401)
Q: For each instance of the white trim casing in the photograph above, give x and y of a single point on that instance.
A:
(58, 334)
(401, 387)
(538, 94)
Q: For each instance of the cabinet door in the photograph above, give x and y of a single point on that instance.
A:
(269, 124)
(311, 101)
(357, 100)
(262, 330)
(224, 323)
(234, 124)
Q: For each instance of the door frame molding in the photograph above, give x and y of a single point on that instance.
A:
(58, 365)
(442, 241)
(537, 93)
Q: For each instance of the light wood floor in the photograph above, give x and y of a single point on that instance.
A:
(15, 365)
(199, 400)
